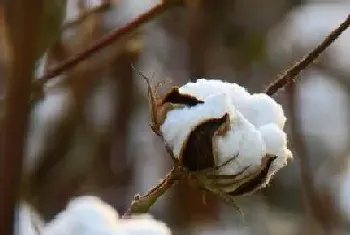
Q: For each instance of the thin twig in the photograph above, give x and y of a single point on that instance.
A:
(97, 9)
(299, 66)
(142, 204)
(108, 39)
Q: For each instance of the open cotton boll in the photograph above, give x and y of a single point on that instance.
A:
(88, 215)
(254, 136)
(85, 215)
(45, 118)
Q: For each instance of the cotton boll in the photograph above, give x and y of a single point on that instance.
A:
(248, 152)
(28, 221)
(88, 215)
(247, 112)
(140, 225)
(44, 120)
(85, 215)
(101, 108)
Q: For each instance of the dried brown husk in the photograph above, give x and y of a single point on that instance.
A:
(197, 152)
(245, 182)
(174, 100)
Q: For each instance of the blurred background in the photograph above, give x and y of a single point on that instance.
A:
(89, 134)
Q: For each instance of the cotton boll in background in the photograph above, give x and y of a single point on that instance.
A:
(46, 116)
(84, 215)
(100, 110)
(28, 220)
(89, 215)
(139, 225)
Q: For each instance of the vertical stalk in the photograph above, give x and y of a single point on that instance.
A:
(22, 19)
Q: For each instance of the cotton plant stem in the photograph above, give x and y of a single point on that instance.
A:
(109, 39)
(23, 19)
(142, 204)
(289, 74)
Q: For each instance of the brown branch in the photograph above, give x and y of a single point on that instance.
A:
(108, 39)
(23, 21)
(299, 66)
(97, 9)
(142, 204)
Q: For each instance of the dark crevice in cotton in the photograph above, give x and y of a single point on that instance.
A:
(197, 154)
(256, 182)
(175, 97)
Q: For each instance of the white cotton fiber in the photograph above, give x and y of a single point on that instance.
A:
(276, 144)
(261, 109)
(28, 221)
(84, 215)
(242, 140)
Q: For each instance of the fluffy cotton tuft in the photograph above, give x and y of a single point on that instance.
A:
(256, 125)
(28, 221)
(88, 215)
